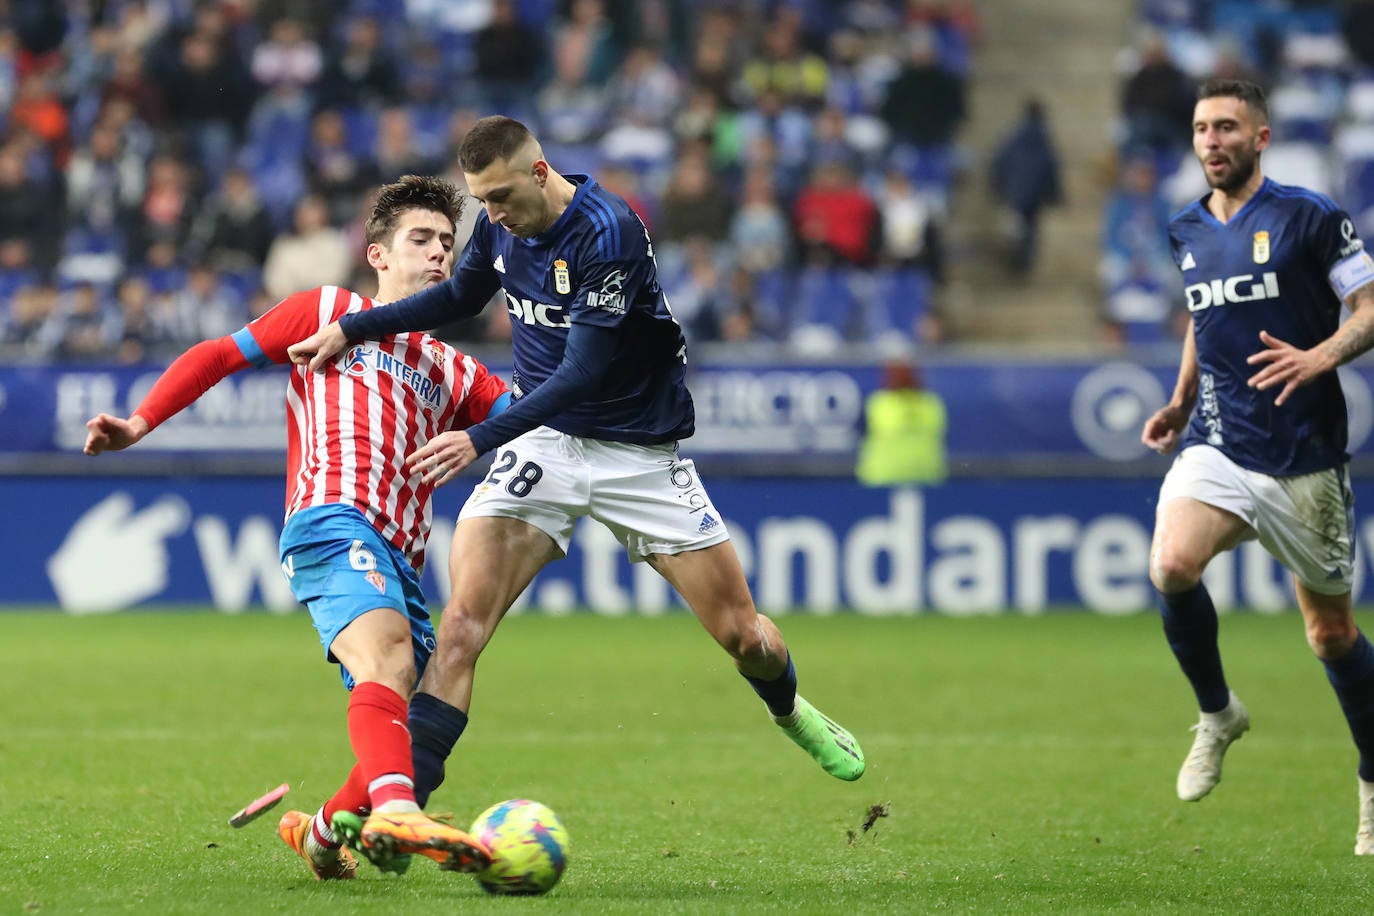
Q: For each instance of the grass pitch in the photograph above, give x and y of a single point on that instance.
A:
(1025, 765)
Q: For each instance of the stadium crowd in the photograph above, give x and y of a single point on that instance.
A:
(172, 168)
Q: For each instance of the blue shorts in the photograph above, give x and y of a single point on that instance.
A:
(340, 567)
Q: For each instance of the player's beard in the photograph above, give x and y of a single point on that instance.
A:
(1243, 165)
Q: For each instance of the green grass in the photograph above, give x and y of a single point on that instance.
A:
(1028, 764)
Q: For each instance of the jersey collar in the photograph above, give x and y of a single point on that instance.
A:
(1209, 216)
(585, 184)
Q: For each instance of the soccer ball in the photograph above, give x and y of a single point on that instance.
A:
(529, 847)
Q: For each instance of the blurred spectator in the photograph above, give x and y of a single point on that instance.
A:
(335, 169)
(362, 73)
(105, 183)
(38, 109)
(233, 231)
(571, 105)
(760, 236)
(958, 16)
(784, 66)
(911, 235)
(829, 142)
(88, 333)
(510, 59)
(9, 67)
(786, 127)
(1025, 178)
(642, 96)
(209, 95)
(287, 64)
(1357, 27)
(924, 104)
(904, 431)
(693, 209)
(34, 329)
(702, 118)
(162, 270)
(584, 44)
(16, 269)
(167, 206)
(398, 150)
(204, 308)
(27, 208)
(139, 335)
(1157, 99)
(313, 254)
(835, 218)
(1135, 226)
(718, 50)
(129, 82)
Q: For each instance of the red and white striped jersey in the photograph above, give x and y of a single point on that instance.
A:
(350, 426)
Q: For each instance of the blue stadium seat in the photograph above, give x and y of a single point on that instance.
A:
(825, 299)
(360, 130)
(897, 299)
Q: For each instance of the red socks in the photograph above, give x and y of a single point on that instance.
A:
(381, 742)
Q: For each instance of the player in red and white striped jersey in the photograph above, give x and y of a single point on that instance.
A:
(356, 516)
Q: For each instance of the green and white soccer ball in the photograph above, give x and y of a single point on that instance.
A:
(529, 847)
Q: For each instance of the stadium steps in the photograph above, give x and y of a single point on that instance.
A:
(1063, 52)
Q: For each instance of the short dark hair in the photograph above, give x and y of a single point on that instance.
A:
(411, 192)
(1249, 93)
(491, 138)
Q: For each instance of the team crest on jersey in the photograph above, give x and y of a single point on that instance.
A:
(436, 353)
(1261, 247)
(377, 579)
(562, 281)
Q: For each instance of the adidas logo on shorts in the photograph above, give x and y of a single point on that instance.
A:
(708, 522)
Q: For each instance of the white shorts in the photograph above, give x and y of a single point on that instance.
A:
(650, 499)
(1306, 522)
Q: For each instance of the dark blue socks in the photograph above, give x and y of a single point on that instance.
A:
(1190, 626)
(1352, 675)
(435, 728)
(779, 694)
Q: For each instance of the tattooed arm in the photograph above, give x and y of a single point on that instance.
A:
(1285, 364)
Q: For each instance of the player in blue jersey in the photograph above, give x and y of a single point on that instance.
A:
(1260, 417)
(600, 404)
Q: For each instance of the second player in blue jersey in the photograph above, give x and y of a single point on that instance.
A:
(1259, 414)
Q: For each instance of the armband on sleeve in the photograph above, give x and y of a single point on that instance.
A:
(1349, 274)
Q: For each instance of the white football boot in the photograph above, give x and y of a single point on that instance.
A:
(1364, 839)
(1201, 770)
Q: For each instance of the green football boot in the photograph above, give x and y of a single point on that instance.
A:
(831, 746)
(348, 827)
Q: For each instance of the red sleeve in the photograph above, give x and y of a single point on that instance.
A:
(486, 388)
(189, 376)
(290, 321)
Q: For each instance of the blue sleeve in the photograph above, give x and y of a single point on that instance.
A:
(586, 358)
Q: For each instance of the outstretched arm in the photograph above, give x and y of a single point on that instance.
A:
(188, 377)
(1291, 367)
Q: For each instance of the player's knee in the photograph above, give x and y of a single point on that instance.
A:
(462, 636)
(1172, 572)
(746, 642)
(1331, 638)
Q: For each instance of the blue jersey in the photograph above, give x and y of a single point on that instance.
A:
(597, 352)
(1276, 266)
